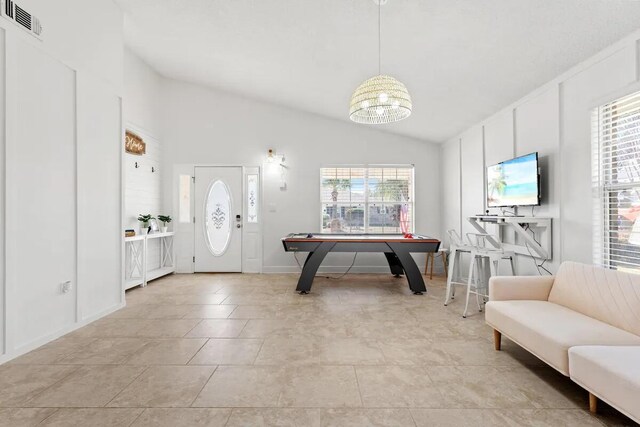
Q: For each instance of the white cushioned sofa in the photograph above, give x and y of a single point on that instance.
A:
(584, 322)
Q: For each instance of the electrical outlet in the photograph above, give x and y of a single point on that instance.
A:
(66, 287)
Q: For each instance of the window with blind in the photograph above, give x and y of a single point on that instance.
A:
(616, 167)
(367, 199)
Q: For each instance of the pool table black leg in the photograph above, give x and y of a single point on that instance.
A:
(314, 259)
(416, 284)
(394, 264)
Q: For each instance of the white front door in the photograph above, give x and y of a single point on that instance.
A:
(218, 219)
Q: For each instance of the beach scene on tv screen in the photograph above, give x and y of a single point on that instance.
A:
(514, 182)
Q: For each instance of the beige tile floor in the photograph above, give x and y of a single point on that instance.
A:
(247, 350)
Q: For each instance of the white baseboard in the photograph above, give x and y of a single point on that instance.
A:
(38, 342)
(92, 318)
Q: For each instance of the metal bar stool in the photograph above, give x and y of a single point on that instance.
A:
(484, 263)
(454, 276)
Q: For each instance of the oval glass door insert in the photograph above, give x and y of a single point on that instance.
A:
(217, 211)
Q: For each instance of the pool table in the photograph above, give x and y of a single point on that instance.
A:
(396, 248)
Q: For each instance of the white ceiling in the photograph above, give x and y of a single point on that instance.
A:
(462, 60)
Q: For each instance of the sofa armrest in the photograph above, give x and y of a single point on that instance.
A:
(505, 288)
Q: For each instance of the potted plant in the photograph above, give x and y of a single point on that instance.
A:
(164, 219)
(144, 219)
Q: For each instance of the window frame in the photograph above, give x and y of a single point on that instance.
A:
(367, 167)
(605, 170)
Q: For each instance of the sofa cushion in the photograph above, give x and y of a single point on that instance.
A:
(611, 373)
(607, 295)
(548, 330)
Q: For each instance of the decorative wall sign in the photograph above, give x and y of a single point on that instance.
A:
(133, 144)
(252, 198)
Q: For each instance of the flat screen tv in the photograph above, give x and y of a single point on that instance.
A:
(514, 182)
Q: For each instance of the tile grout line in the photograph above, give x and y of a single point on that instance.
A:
(246, 322)
(255, 359)
(426, 371)
(136, 418)
(412, 417)
(206, 341)
(355, 374)
(126, 359)
(189, 331)
(77, 368)
(232, 311)
(228, 418)
(48, 416)
(465, 408)
(203, 386)
(126, 387)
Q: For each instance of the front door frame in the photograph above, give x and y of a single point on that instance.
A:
(185, 232)
(230, 260)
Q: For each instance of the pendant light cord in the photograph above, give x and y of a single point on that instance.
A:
(379, 38)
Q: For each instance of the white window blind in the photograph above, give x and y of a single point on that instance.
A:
(367, 199)
(616, 179)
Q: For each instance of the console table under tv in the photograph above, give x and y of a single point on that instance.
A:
(540, 247)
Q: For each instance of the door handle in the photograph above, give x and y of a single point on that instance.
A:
(238, 225)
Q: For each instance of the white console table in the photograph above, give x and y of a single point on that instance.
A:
(539, 225)
(135, 261)
(136, 270)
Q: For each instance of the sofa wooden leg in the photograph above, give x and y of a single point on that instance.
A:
(593, 403)
(497, 339)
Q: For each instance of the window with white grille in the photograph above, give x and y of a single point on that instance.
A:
(367, 199)
(616, 179)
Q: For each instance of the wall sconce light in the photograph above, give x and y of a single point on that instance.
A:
(270, 156)
(279, 161)
(273, 158)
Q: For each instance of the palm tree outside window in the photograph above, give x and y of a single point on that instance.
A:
(367, 199)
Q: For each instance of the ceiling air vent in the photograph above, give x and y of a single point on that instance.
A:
(19, 16)
(23, 17)
(8, 8)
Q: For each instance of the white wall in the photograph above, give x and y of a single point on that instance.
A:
(61, 189)
(142, 95)
(99, 197)
(141, 114)
(555, 121)
(471, 155)
(578, 95)
(2, 191)
(86, 35)
(203, 126)
(451, 187)
(41, 218)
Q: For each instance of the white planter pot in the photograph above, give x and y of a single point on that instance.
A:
(164, 229)
(144, 230)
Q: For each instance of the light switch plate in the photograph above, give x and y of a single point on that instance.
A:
(66, 287)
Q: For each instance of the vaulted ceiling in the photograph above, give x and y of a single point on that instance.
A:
(462, 60)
